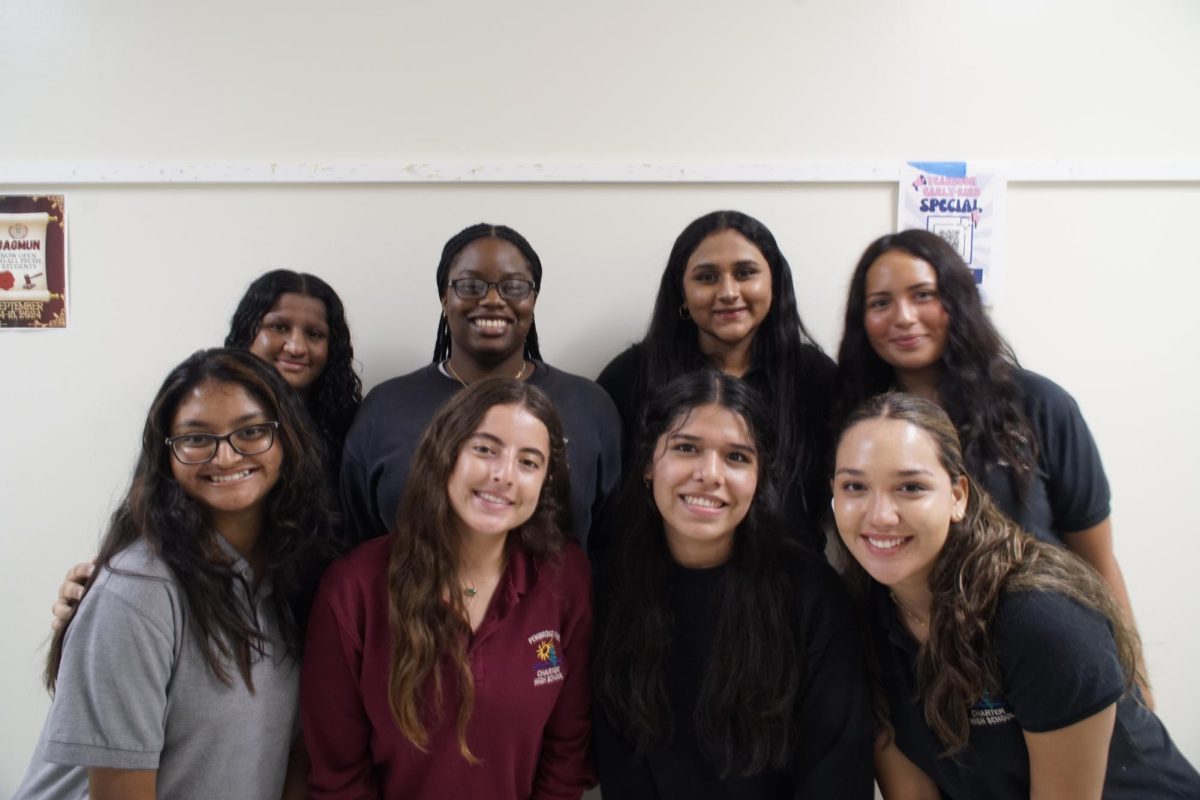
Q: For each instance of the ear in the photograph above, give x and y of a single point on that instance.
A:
(960, 490)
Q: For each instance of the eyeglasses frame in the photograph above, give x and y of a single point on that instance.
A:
(227, 438)
(533, 287)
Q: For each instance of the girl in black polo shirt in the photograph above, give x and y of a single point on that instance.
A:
(1007, 668)
(727, 664)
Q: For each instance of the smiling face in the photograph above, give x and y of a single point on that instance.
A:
(293, 337)
(893, 501)
(727, 288)
(231, 487)
(704, 475)
(489, 329)
(498, 476)
(905, 320)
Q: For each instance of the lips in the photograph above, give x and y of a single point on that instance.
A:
(884, 545)
(908, 342)
(291, 366)
(493, 501)
(229, 477)
(491, 325)
(703, 505)
(727, 314)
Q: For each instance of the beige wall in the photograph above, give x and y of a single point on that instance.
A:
(1101, 278)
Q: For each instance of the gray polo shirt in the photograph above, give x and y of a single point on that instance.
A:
(134, 692)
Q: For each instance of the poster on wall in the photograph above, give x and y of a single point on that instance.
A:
(33, 262)
(962, 205)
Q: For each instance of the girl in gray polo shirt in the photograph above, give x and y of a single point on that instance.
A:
(177, 677)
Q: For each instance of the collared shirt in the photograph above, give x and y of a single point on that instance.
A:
(135, 692)
(529, 728)
(1058, 666)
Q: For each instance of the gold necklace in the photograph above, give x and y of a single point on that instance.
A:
(450, 369)
(907, 613)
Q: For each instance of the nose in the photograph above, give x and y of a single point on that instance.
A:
(225, 455)
(492, 297)
(295, 343)
(729, 289)
(502, 469)
(882, 510)
(710, 470)
(906, 313)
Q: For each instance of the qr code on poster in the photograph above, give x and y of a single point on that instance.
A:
(958, 232)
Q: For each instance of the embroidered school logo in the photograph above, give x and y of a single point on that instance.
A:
(989, 711)
(546, 666)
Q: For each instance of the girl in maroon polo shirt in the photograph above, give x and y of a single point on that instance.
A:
(449, 658)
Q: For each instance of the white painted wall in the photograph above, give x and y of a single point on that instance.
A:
(1101, 277)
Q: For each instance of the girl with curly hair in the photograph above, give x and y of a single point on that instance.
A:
(1006, 669)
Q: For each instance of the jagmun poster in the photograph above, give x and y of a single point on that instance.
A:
(33, 262)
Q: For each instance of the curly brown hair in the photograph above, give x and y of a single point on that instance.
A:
(425, 606)
(985, 555)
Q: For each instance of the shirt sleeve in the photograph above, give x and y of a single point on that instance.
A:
(335, 724)
(834, 716)
(565, 764)
(1057, 658)
(1076, 482)
(111, 701)
(356, 485)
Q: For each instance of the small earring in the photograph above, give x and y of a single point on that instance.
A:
(646, 482)
(832, 504)
(683, 311)
(957, 516)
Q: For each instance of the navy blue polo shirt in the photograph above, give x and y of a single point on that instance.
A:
(1058, 665)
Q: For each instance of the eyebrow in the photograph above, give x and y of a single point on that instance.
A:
(745, 448)
(237, 423)
(903, 473)
(493, 438)
(921, 285)
(745, 262)
(517, 273)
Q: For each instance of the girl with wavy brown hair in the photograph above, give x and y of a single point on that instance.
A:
(449, 658)
(1006, 668)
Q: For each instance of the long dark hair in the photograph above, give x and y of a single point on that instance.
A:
(744, 716)
(296, 524)
(482, 230)
(797, 386)
(976, 380)
(335, 395)
(985, 555)
(425, 605)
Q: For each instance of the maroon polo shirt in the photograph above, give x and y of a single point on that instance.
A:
(530, 725)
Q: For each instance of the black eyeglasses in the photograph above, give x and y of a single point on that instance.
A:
(200, 448)
(509, 288)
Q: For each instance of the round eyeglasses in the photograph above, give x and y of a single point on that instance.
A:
(200, 448)
(509, 288)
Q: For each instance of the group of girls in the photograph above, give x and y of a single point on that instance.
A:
(453, 652)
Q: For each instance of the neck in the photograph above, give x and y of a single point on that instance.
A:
(732, 359)
(482, 556)
(243, 530)
(921, 382)
(469, 369)
(914, 600)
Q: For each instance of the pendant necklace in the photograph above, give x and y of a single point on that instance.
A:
(454, 374)
(921, 624)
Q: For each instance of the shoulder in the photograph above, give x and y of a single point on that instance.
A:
(820, 603)
(1041, 395)
(136, 589)
(1056, 629)
(573, 394)
(359, 574)
(567, 574)
(624, 368)
(421, 382)
(813, 357)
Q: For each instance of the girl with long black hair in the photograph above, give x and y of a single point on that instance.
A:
(727, 662)
(178, 675)
(727, 302)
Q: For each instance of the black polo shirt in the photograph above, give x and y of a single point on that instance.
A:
(1068, 491)
(1058, 666)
